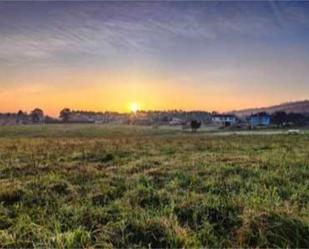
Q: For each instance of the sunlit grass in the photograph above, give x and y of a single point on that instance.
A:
(85, 186)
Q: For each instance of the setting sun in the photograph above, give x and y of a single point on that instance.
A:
(134, 107)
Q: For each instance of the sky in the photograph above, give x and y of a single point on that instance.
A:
(106, 55)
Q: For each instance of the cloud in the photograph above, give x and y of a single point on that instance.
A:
(108, 30)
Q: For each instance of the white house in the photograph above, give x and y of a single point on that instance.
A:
(224, 119)
(176, 121)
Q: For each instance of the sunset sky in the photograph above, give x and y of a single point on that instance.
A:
(162, 55)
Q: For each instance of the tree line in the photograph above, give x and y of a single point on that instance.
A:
(282, 118)
(278, 119)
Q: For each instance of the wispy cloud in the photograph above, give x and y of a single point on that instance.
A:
(66, 34)
(109, 30)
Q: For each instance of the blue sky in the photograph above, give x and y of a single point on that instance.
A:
(206, 55)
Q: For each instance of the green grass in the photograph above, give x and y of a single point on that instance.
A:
(73, 186)
(82, 130)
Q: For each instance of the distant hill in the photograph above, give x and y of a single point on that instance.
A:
(297, 106)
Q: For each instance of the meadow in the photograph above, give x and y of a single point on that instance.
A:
(102, 186)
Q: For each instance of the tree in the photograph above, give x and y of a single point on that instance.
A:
(65, 114)
(195, 125)
(296, 118)
(20, 117)
(37, 115)
(279, 118)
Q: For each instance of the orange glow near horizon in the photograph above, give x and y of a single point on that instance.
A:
(110, 91)
(111, 98)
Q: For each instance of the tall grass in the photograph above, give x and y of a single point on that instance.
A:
(137, 188)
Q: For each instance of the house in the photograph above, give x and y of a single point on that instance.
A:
(23, 118)
(261, 119)
(18, 118)
(80, 117)
(141, 121)
(224, 119)
(8, 119)
(176, 121)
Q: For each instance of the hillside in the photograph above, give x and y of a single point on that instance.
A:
(298, 106)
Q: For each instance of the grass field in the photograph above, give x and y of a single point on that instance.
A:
(111, 186)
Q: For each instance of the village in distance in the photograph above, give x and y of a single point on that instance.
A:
(287, 115)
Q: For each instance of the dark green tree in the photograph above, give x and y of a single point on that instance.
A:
(65, 114)
(37, 115)
(279, 118)
(195, 125)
